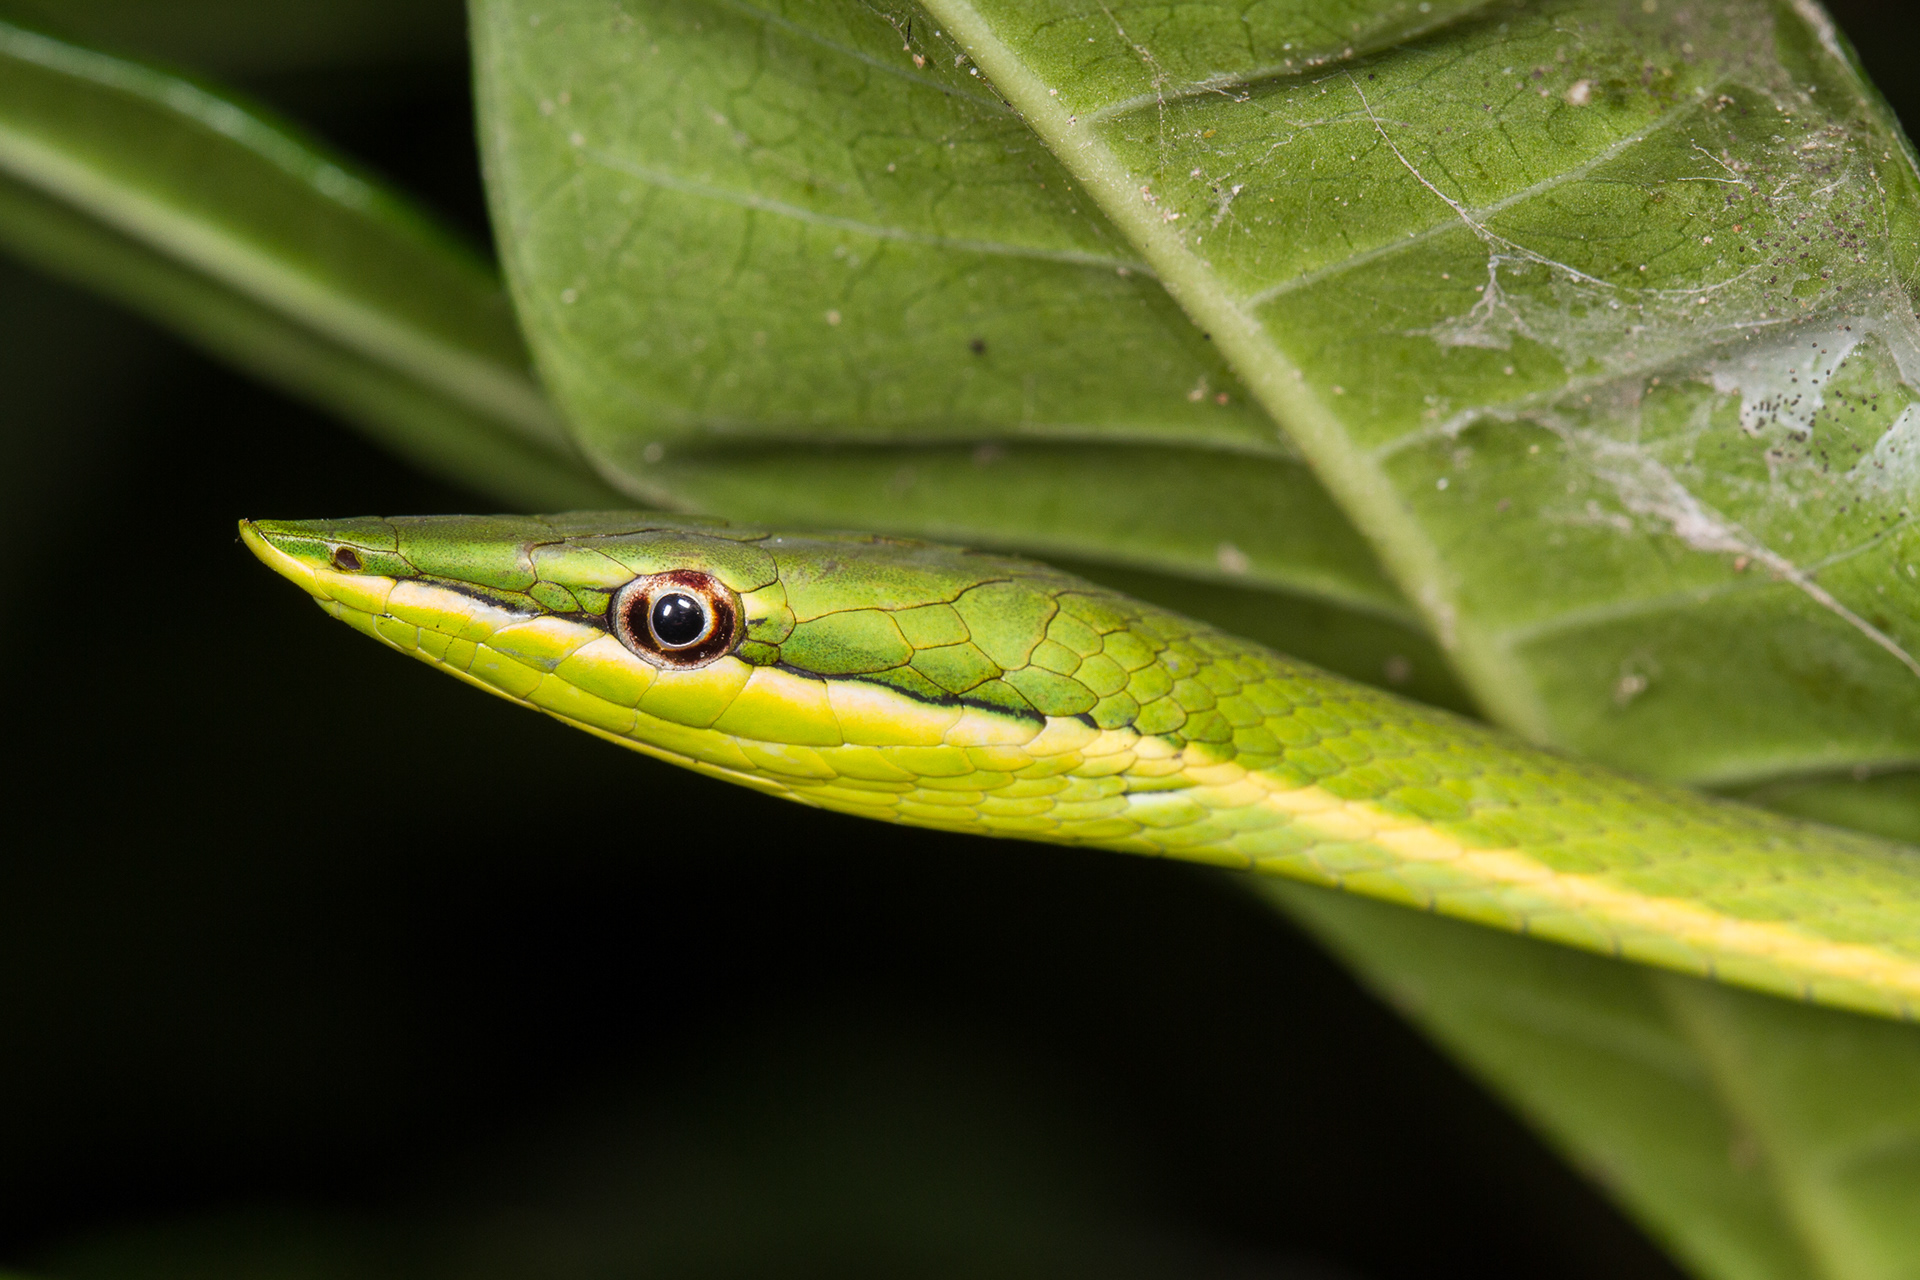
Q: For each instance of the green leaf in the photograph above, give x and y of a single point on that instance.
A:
(1421, 250)
(905, 266)
(1759, 1139)
(224, 225)
(1833, 1103)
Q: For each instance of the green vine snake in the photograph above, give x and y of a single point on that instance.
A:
(946, 688)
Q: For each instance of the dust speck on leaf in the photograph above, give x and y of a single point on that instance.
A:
(1629, 686)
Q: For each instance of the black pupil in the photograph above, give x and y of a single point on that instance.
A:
(678, 619)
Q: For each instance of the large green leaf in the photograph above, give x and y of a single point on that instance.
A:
(1592, 317)
(907, 267)
(239, 233)
(200, 211)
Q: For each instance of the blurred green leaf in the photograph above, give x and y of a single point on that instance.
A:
(258, 1245)
(1760, 1139)
(1887, 803)
(1833, 1104)
(223, 224)
(822, 1150)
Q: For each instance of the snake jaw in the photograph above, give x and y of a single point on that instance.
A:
(295, 569)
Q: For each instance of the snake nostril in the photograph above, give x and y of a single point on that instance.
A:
(346, 559)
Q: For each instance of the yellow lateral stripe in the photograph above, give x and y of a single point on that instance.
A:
(1328, 815)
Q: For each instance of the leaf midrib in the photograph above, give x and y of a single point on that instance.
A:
(1357, 483)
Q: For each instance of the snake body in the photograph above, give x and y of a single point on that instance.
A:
(930, 685)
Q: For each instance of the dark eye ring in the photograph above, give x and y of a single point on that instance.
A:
(682, 618)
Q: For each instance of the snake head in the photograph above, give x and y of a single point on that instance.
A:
(733, 648)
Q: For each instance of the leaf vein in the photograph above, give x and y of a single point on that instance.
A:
(878, 231)
(1472, 216)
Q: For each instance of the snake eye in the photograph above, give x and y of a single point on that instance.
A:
(679, 621)
(682, 618)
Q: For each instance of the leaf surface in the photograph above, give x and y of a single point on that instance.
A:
(1593, 320)
(733, 230)
(1585, 313)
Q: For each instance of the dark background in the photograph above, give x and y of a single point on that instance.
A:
(315, 964)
